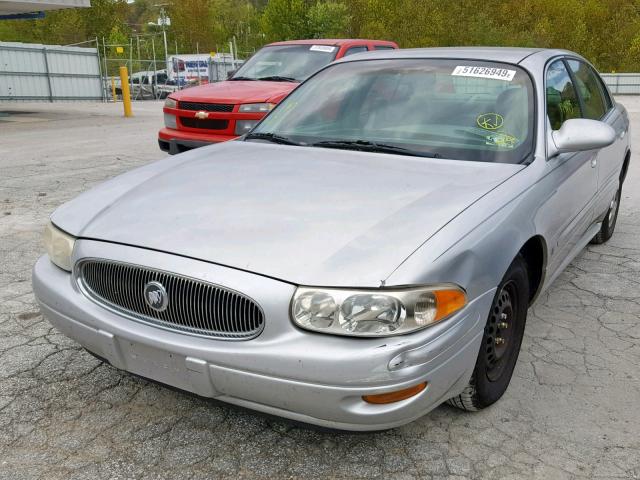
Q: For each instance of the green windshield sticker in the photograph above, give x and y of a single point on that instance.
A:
(500, 139)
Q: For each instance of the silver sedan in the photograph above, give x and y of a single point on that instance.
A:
(368, 252)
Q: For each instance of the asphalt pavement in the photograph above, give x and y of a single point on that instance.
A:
(571, 412)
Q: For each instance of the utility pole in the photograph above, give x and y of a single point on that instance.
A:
(163, 21)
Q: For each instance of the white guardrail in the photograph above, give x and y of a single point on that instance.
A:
(622, 83)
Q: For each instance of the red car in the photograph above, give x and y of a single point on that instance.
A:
(222, 111)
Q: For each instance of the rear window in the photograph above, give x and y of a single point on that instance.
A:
(457, 109)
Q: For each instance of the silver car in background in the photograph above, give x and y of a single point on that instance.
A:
(368, 252)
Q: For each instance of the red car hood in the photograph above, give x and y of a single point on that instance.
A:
(236, 92)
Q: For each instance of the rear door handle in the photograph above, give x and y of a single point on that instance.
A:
(594, 162)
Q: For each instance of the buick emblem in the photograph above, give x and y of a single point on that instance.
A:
(202, 115)
(156, 296)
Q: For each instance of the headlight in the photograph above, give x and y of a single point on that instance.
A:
(170, 103)
(170, 121)
(375, 312)
(244, 126)
(256, 107)
(59, 246)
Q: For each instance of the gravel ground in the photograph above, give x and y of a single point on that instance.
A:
(571, 410)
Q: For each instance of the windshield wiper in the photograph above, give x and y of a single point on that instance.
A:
(278, 78)
(367, 146)
(272, 137)
(234, 79)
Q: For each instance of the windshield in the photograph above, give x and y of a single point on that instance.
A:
(289, 62)
(456, 109)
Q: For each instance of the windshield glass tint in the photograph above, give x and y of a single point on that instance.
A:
(292, 61)
(456, 109)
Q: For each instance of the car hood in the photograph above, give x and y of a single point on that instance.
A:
(306, 215)
(236, 92)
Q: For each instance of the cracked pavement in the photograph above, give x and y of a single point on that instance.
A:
(571, 411)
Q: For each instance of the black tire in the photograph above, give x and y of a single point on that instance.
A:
(501, 341)
(610, 219)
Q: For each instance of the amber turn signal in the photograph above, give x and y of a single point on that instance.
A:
(392, 397)
(448, 301)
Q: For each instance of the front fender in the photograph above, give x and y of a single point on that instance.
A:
(475, 249)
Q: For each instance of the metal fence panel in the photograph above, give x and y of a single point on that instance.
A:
(31, 71)
(622, 83)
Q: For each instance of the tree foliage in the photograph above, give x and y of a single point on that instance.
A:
(607, 32)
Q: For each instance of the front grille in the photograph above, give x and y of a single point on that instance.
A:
(193, 306)
(209, 124)
(207, 107)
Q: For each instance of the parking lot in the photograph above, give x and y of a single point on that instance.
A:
(571, 411)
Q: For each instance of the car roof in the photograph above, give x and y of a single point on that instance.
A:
(493, 54)
(331, 41)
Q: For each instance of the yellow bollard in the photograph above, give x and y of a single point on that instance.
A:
(113, 89)
(126, 94)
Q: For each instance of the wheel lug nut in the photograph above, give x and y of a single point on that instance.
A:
(503, 325)
(499, 340)
(503, 316)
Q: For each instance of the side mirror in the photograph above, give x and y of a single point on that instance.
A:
(580, 134)
(231, 73)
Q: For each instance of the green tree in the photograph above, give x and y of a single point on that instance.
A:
(285, 20)
(328, 19)
(604, 31)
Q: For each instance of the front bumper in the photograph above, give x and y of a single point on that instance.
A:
(177, 141)
(313, 378)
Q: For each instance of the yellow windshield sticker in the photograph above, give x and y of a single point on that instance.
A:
(490, 121)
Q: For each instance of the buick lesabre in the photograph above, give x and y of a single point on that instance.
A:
(366, 253)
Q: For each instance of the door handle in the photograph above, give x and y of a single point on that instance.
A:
(594, 162)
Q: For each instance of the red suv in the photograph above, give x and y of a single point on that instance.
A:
(222, 111)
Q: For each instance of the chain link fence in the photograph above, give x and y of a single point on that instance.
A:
(155, 72)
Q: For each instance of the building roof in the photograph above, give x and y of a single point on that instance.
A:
(20, 8)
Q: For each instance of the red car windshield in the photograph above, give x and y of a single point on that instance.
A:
(292, 63)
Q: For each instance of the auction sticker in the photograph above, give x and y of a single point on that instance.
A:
(484, 72)
(322, 48)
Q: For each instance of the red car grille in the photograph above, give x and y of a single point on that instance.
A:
(208, 124)
(206, 107)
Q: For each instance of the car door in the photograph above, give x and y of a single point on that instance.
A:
(597, 105)
(574, 174)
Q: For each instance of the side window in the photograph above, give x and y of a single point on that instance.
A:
(352, 50)
(605, 93)
(589, 89)
(562, 100)
(383, 47)
(135, 80)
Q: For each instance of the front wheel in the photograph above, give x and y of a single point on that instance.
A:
(501, 341)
